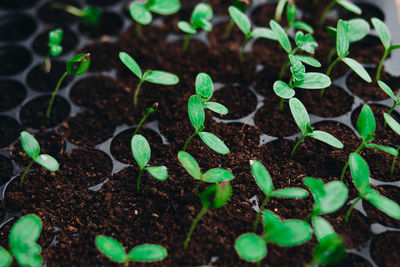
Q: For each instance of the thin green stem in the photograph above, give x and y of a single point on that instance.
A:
(195, 222)
(25, 172)
(298, 143)
(229, 28)
(54, 94)
(394, 161)
(348, 161)
(186, 43)
(259, 263)
(126, 263)
(148, 113)
(70, 9)
(281, 102)
(137, 92)
(190, 138)
(325, 13)
(139, 178)
(279, 10)
(331, 54)
(138, 30)
(198, 185)
(255, 225)
(242, 50)
(328, 72)
(346, 219)
(380, 66)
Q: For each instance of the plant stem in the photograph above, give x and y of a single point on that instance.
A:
(259, 263)
(25, 172)
(255, 225)
(229, 29)
(137, 92)
(394, 162)
(298, 143)
(325, 13)
(241, 58)
(279, 10)
(126, 263)
(328, 72)
(186, 43)
(54, 94)
(348, 161)
(70, 9)
(148, 113)
(138, 30)
(281, 102)
(379, 69)
(197, 187)
(139, 178)
(346, 219)
(196, 220)
(190, 138)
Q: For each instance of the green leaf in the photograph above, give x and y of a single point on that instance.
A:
(186, 27)
(111, 248)
(190, 164)
(350, 6)
(78, 64)
(139, 13)
(342, 38)
(326, 138)
(56, 36)
(299, 114)
(392, 123)
(309, 61)
(204, 86)
(335, 196)
(359, 172)
(358, 29)
(290, 192)
(387, 90)
(24, 233)
(147, 253)
(55, 50)
(91, 15)
(250, 247)
(160, 77)
(382, 31)
(366, 122)
(48, 162)
(283, 90)
(164, 7)
(240, 19)
(201, 15)
(216, 195)
(386, 205)
(196, 112)
(297, 69)
(214, 142)
(270, 220)
(306, 42)
(29, 255)
(357, 68)
(291, 13)
(314, 80)
(217, 175)
(386, 149)
(290, 233)
(140, 150)
(316, 186)
(330, 249)
(216, 107)
(393, 47)
(5, 258)
(281, 35)
(262, 177)
(300, 25)
(30, 144)
(322, 228)
(131, 64)
(158, 172)
(262, 32)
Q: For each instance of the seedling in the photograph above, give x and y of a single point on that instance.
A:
(115, 252)
(396, 128)
(197, 103)
(90, 15)
(291, 14)
(149, 111)
(264, 182)
(386, 39)
(22, 243)
(77, 65)
(215, 175)
(329, 250)
(214, 197)
(142, 154)
(152, 76)
(243, 6)
(366, 126)
(302, 120)
(32, 148)
(360, 174)
(350, 6)
(199, 19)
(140, 11)
(390, 93)
(253, 248)
(55, 48)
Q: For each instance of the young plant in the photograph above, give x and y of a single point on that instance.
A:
(140, 11)
(390, 93)
(199, 19)
(360, 174)
(350, 6)
(395, 126)
(115, 252)
(55, 48)
(253, 248)
(264, 182)
(152, 76)
(386, 39)
(77, 65)
(329, 250)
(366, 126)
(90, 15)
(142, 154)
(149, 111)
(197, 103)
(291, 14)
(243, 6)
(302, 120)
(32, 148)
(214, 197)
(22, 243)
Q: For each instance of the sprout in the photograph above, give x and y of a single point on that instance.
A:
(386, 39)
(390, 93)
(344, 3)
(243, 6)
(142, 153)
(214, 197)
(197, 103)
(395, 127)
(302, 120)
(32, 148)
(115, 252)
(366, 126)
(77, 65)
(329, 250)
(149, 111)
(291, 13)
(360, 174)
(264, 182)
(55, 48)
(215, 175)
(90, 15)
(152, 76)
(141, 11)
(22, 243)
(200, 18)
(253, 248)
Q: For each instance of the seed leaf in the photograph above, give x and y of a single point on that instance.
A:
(139, 13)
(386, 149)
(290, 192)
(357, 68)
(250, 247)
(299, 114)
(214, 142)
(111, 248)
(164, 7)
(78, 64)
(30, 144)
(5, 257)
(140, 150)
(196, 112)
(387, 90)
(305, 42)
(358, 29)
(322, 228)
(392, 123)
(366, 124)
(290, 233)
(190, 164)
(262, 32)
(240, 19)
(216, 107)
(186, 27)
(204, 86)
(160, 77)
(342, 38)
(281, 35)
(300, 25)
(283, 90)
(29, 255)
(24, 233)
(382, 31)
(131, 64)
(55, 36)
(291, 13)
(262, 177)
(216, 196)
(335, 196)
(217, 175)
(55, 50)
(147, 253)
(316, 186)
(201, 15)
(309, 61)
(159, 172)
(314, 80)
(386, 205)
(350, 6)
(330, 249)
(359, 172)
(326, 138)
(297, 69)
(48, 162)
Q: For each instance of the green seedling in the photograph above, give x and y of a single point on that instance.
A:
(22, 243)
(366, 127)
(329, 250)
(253, 248)
(90, 15)
(291, 14)
(360, 174)
(264, 182)
(77, 65)
(243, 6)
(395, 126)
(350, 6)
(386, 39)
(199, 19)
(214, 197)
(115, 252)
(55, 48)
(141, 11)
(152, 76)
(302, 120)
(390, 93)
(149, 111)
(197, 103)
(141, 153)
(32, 148)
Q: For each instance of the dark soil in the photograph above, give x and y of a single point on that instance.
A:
(6, 169)
(109, 24)
(69, 42)
(50, 15)
(9, 129)
(15, 59)
(16, 27)
(41, 81)
(380, 254)
(12, 93)
(103, 56)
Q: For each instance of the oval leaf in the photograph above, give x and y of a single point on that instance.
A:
(358, 29)
(300, 25)
(392, 123)
(147, 253)
(314, 80)
(139, 13)
(164, 7)
(386, 205)
(262, 177)
(140, 150)
(366, 124)
(160, 77)
(190, 164)
(131, 64)
(5, 257)
(196, 112)
(382, 31)
(78, 64)
(359, 172)
(335, 197)
(322, 228)
(240, 19)
(386, 149)
(357, 68)
(290, 233)
(350, 6)
(214, 142)
(342, 38)
(186, 27)
(262, 32)
(30, 144)
(204, 86)
(387, 90)
(309, 60)
(48, 162)
(159, 172)
(281, 35)
(290, 192)
(111, 248)
(283, 90)
(299, 113)
(25, 232)
(216, 107)
(326, 138)
(250, 247)
(56, 36)
(217, 175)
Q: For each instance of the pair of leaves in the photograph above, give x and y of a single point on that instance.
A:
(205, 89)
(142, 154)
(357, 29)
(141, 12)
(384, 34)
(306, 42)
(114, 250)
(200, 18)
(78, 64)
(55, 38)
(216, 195)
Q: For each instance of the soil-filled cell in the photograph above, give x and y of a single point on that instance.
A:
(41, 81)
(6, 169)
(385, 249)
(9, 130)
(109, 24)
(14, 59)
(16, 27)
(21, 4)
(12, 93)
(51, 14)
